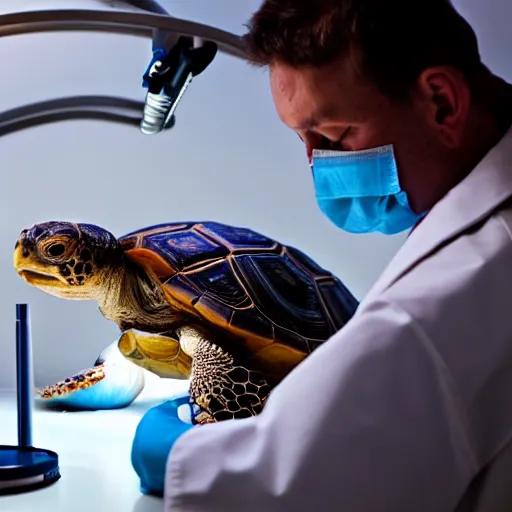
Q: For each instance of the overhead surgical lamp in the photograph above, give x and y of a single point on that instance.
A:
(182, 50)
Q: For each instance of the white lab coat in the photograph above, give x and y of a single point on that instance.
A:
(402, 408)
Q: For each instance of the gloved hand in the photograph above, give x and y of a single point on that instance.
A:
(155, 435)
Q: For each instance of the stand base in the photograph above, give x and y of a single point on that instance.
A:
(27, 469)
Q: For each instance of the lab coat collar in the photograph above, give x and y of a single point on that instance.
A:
(469, 202)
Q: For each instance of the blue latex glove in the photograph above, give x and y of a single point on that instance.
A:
(156, 434)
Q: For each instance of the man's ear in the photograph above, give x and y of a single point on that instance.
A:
(445, 98)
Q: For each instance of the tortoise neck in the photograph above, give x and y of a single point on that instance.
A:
(134, 300)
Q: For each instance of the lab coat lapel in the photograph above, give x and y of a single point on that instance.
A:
(471, 201)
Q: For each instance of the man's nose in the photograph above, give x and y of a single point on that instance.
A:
(312, 141)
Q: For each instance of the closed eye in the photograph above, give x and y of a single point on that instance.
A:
(315, 140)
(338, 143)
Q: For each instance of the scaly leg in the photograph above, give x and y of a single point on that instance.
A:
(218, 388)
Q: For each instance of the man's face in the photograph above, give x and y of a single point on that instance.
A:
(332, 107)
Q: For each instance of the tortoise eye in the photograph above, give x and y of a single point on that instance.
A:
(56, 250)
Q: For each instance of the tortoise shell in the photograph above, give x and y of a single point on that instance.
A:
(273, 298)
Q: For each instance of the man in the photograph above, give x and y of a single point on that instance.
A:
(409, 404)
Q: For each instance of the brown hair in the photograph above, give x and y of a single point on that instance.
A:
(393, 40)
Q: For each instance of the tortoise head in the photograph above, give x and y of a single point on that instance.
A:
(72, 261)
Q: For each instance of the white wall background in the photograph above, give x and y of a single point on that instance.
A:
(227, 136)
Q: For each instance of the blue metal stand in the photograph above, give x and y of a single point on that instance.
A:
(24, 468)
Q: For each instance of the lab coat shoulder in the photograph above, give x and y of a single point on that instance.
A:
(459, 299)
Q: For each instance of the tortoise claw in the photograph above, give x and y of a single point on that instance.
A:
(113, 383)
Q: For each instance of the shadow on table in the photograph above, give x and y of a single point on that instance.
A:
(140, 406)
(149, 504)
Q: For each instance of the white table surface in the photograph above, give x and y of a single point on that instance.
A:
(94, 455)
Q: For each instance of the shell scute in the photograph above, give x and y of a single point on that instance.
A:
(236, 238)
(285, 293)
(185, 249)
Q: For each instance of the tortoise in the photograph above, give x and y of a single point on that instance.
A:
(229, 309)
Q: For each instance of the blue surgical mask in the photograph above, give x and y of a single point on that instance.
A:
(359, 191)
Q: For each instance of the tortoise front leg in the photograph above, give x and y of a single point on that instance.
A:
(112, 383)
(219, 388)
